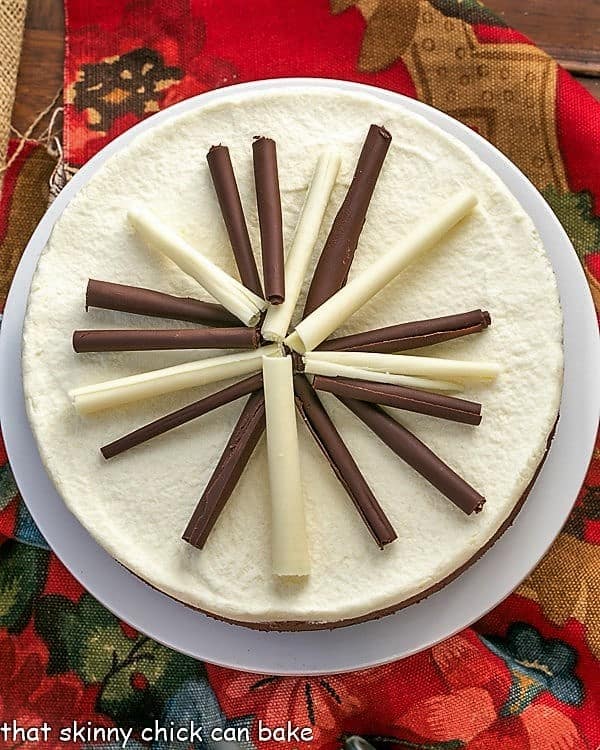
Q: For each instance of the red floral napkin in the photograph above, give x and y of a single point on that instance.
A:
(525, 676)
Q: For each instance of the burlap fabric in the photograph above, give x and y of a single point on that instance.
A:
(12, 22)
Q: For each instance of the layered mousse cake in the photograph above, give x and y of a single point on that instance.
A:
(294, 358)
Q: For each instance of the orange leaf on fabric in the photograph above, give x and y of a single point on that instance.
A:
(548, 729)
(461, 715)
(505, 734)
(465, 662)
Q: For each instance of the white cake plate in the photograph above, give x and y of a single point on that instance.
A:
(457, 605)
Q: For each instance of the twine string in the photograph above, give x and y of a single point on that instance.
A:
(28, 134)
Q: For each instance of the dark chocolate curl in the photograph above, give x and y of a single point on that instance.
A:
(334, 264)
(140, 301)
(340, 459)
(223, 177)
(244, 438)
(182, 416)
(402, 397)
(405, 336)
(416, 454)
(268, 201)
(128, 340)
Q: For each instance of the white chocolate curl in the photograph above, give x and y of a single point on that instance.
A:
(315, 328)
(405, 364)
(333, 370)
(111, 393)
(277, 320)
(289, 541)
(233, 295)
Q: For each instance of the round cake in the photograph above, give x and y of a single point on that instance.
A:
(138, 504)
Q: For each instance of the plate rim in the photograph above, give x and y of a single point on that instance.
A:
(365, 644)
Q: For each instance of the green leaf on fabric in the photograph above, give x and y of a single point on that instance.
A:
(8, 486)
(574, 211)
(23, 572)
(471, 11)
(136, 676)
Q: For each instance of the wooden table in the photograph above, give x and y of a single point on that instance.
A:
(568, 31)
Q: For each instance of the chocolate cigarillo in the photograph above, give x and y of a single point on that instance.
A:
(336, 258)
(240, 446)
(223, 177)
(413, 335)
(143, 340)
(182, 416)
(416, 454)
(402, 397)
(268, 201)
(342, 464)
(140, 301)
